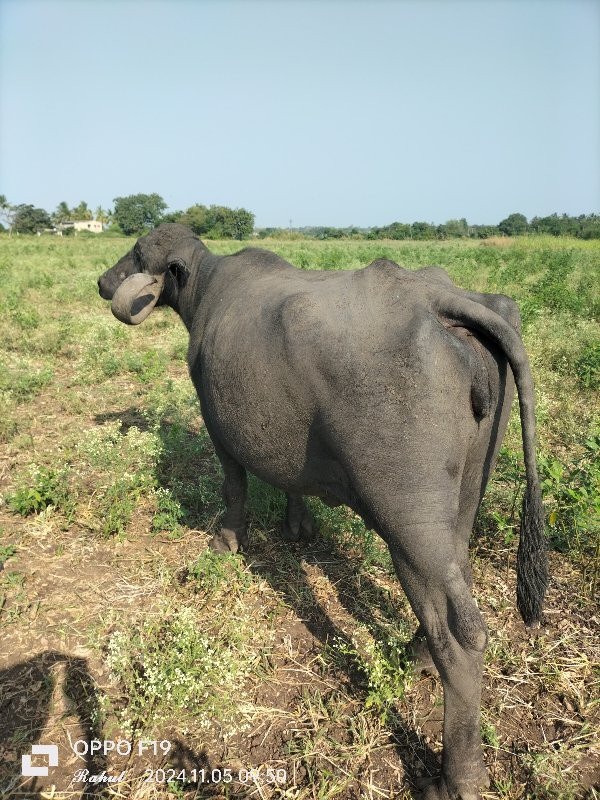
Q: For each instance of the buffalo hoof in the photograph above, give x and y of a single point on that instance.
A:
(228, 541)
(436, 791)
(439, 791)
(302, 528)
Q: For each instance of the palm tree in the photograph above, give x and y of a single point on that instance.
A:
(62, 213)
(103, 215)
(81, 211)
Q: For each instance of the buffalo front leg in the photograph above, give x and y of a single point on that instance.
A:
(233, 535)
(298, 522)
(456, 637)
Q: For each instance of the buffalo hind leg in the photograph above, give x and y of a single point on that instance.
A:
(456, 636)
(468, 506)
(298, 522)
(419, 648)
(233, 535)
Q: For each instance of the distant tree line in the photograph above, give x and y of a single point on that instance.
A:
(136, 214)
(27, 218)
(132, 215)
(582, 227)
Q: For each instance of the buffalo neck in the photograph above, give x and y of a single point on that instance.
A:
(187, 299)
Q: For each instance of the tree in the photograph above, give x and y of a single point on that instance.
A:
(29, 219)
(173, 216)
(65, 214)
(422, 230)
(395, 230)
(138, 213)
(7, 212)
(222, 222)
(454, 228)
(81, 211)
(514, 225)
(62, 213)
(218, 222)
(243, 223)
(197, 218)
(103, 214)
(590, 227)
(483, 231)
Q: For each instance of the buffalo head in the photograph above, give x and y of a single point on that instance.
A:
(150, 274)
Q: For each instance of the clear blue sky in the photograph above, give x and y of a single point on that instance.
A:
(326, 113)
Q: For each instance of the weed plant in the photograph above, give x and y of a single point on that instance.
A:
(166, 664)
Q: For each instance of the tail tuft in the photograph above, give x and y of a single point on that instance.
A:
(532, 560)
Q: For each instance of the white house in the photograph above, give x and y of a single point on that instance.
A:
(93, 225)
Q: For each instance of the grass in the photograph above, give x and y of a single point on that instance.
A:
(166, 665)
(294, 658)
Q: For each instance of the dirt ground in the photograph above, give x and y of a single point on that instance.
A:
(302, 713)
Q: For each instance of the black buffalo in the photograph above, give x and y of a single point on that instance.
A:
(381, 388)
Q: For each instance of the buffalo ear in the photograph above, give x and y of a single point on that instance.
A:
(180, 257)
(136, 297)
(179, 270)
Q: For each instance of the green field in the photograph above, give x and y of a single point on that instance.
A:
(293, 658)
